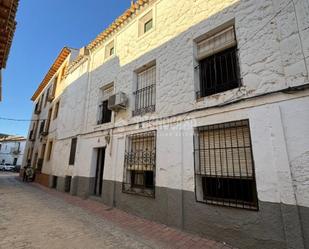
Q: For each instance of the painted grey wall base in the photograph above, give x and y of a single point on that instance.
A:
(304, 218)
(82, 186)
(60, 184)
(50, 181)
(265, 228)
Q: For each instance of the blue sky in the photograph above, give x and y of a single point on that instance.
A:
(44, 27)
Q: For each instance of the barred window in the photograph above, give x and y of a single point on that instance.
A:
(145, 95)
(224, 167)
(218, 63)
(140, 164)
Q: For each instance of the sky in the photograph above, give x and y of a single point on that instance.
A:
(44, 27)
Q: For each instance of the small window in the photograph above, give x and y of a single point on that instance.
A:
(42, 127)
(73, 151)
(109, 50)
(56, 110)
(145, 94)
(49, 151)
(50, 111)
(224, 167)
(145, 23)
(218, 63)
(148, 26)
(139, 165)
(46, 96)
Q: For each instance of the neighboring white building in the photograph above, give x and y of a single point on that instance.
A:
(208, 127)
(12, 150)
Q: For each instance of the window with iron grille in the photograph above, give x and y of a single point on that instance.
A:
(42, 126)
(145, 95)
(140, 164)
(224, 168)
(218, 63)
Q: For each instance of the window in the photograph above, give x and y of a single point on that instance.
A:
(63, 72)
(49, 151)
(140, 164)
(218, 63)
(148, 26)
(145, 23)
(109, 49)
(52, 89)
(224, 170)
(50, 111)
(105, 114)
(46, 97)
(73, 151)
(42, 126)
(145, 95)
(56, 110)
(38, 105)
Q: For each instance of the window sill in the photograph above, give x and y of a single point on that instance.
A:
(110, 58)
(146, 192)
(144, 35)
(104, 126)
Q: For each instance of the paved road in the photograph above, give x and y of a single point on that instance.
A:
(31, 218)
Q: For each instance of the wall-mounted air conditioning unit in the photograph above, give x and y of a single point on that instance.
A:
(117, 101)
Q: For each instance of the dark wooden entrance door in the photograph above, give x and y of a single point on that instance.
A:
(99, 172)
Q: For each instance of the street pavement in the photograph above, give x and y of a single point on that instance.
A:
(32, 216)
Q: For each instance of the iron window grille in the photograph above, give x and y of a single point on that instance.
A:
(219, 72)
(145, 95)
(105, 114)
(42, 126)
(140, 164)
(224, 167)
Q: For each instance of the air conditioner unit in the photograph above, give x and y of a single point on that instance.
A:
(117, 101)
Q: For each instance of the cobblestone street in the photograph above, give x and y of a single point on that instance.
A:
(32, 216)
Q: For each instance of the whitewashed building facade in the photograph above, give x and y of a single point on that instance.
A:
(189, 113)
(12, 150)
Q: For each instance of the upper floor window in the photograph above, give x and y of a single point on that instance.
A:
(145, 94)
(56, 110)
(145, 23)
(218, 63)
(105, 114)
(109, 50)
(46, 96)
(140, 164)
(224, 169)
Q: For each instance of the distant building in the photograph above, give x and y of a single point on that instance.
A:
(8, 10)
(12, 150)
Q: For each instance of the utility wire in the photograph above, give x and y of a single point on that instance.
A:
(20, 120)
